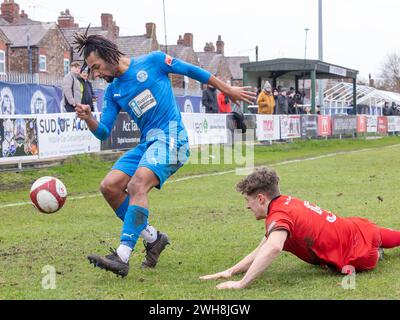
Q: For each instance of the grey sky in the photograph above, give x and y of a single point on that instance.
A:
(358, 34)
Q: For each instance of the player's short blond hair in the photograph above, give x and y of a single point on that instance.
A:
(263, 180)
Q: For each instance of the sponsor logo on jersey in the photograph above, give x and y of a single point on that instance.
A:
(142, 76)
(142, 103)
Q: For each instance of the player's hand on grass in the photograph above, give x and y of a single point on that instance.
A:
(230, 285)
(220, 275)
(245, 94)
(83, 111)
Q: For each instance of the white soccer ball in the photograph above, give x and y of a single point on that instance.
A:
(48, 194)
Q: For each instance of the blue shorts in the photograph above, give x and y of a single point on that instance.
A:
(162, 157)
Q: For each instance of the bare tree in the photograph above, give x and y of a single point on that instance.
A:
(390, 73)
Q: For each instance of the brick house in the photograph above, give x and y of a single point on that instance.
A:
(10, 14)
(31, 43)
(44, 56)
(227, 69)
(183, 50)
(214, 60)
(236, 70)
(135, 46)
(4, 53)
(66, 23)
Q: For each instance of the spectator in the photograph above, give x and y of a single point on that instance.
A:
(307, 110)
(282, 106)
(276, 95)
(386, 109)
(71, 88)
(266, 101)
(86, 88)
(394, 110)
(224, 104)
(209, 99)
(292, 102)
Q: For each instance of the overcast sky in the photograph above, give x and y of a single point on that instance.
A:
(358, 34)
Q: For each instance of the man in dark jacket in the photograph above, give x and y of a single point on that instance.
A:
(282, 106)
(87, 92)
(209, 99)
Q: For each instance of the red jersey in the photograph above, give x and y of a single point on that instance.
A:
(223, 106)
(322, 238)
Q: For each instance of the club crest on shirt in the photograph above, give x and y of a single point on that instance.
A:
(142, 103)
(142, 76)
(168, 60)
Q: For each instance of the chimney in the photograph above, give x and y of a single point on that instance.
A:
(116, 30)
(188, 40)
(106, 21)
(180, 41)
(10, 11)
(23, 15)
(209, 47)
(66, 20)
(151, 30)
(220, 46)
(371, 81)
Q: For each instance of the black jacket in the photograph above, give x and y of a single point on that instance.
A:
(88, 93)
(209, 100)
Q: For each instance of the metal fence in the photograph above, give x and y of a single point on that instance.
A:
(42, 79)
(52, 80)
(35, 78)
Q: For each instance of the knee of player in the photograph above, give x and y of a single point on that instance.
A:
(137, 187)
(108, 189)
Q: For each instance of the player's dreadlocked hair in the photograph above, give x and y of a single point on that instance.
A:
(103, 47)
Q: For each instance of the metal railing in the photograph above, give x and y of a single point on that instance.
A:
(34, 78)
(52, 80)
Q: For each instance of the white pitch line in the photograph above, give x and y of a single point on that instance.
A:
(206, 175)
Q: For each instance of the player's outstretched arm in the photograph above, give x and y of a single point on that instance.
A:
(240, 267)
(268, 252)
(235, 94)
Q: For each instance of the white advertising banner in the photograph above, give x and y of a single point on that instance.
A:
(290, 127)
(393, 124)
(206, 128)
(268, 127)
(63, 135)
(372, 124)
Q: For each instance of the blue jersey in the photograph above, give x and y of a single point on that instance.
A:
(145, 92)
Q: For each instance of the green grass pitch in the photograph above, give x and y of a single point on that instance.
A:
(208, 225)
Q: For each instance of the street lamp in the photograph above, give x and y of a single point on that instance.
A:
(165, 29)
(305, 59)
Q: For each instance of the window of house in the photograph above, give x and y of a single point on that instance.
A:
(42, 63)
(66, 66)
(2, 62)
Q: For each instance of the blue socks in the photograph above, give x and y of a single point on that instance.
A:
(134, 223)
(121, 211)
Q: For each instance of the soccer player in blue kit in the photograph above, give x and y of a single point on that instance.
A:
(141, 87)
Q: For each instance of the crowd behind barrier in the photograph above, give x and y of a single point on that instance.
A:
(47, 136)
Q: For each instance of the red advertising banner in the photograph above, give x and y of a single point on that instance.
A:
(382, 125)
(361, 124)
(324, 126)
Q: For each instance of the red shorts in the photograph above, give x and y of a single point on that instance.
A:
(370, 259)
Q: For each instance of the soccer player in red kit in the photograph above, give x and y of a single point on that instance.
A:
(312, 234)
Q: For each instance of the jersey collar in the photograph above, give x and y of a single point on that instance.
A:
(269, 206)
(127, 73)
